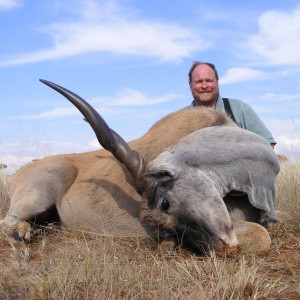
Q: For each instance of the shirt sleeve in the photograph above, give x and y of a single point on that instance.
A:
(248, 119)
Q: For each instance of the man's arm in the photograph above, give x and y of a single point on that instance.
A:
(251, 121)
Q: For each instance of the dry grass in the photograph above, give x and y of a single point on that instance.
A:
(75, 265)
(4, 193)
(288, 184)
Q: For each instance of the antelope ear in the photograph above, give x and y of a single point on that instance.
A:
(163, 174)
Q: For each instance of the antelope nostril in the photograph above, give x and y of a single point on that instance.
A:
(165, 204)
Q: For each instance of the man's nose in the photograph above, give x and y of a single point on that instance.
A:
(204, 85)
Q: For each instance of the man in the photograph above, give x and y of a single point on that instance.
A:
(203, 80)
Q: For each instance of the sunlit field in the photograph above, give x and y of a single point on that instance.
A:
(62, 264)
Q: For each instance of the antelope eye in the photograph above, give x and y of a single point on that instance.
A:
(165, 204)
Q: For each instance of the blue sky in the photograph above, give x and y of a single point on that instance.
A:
(130, 60)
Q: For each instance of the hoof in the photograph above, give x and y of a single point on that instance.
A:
(20, 232)
(252, 237)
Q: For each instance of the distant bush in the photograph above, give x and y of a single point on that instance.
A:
(3, 166)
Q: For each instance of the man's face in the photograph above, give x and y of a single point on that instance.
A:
(204, 86)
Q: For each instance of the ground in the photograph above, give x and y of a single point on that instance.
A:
(275, 275)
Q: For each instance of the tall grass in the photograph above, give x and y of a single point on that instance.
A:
(4, 193)
(288, 185)
(67, 264)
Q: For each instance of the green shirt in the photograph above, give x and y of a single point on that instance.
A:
(245, 117)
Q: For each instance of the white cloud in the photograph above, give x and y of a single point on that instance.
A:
(59, 112)
(94, 144)
(128, 97)
(287, 142)
(285, 126)
(14, 162)
(9, 4)
(278, 39)
(56, 112)
(286, 133)
(241, 74)
(280, 97)
(17, 155)
(288, 146)
(115, 32)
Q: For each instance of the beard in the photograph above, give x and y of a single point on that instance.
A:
(206, 99)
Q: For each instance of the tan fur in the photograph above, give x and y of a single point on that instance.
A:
(92, 191)
(173, 127)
